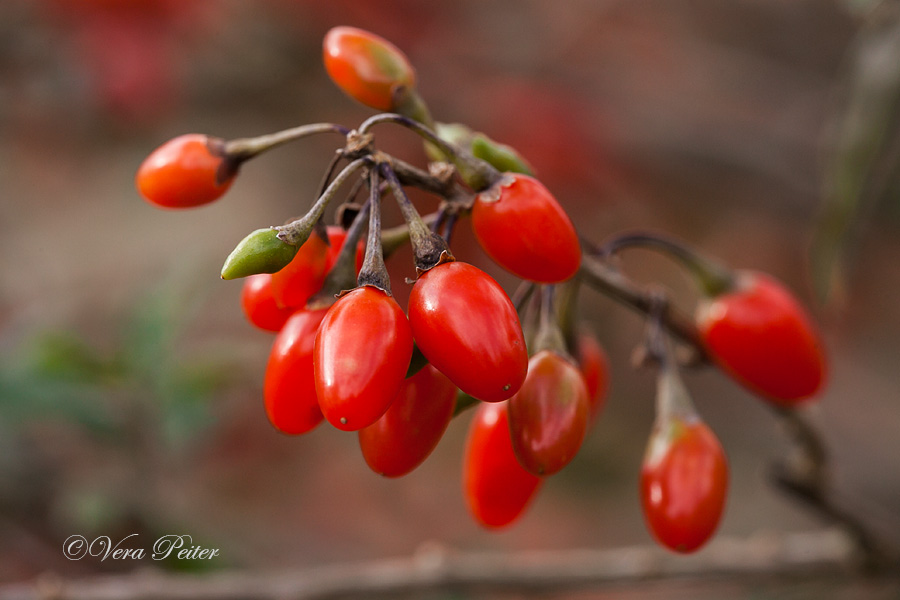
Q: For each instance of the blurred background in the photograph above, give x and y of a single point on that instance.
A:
(763, 132)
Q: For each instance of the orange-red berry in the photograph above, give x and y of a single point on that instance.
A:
(186, 171)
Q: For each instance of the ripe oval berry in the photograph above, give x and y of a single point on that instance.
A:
(467, 327)
(684, 481)
(522, 227)
(761, 335)
(367, 67)
(259, 304)
(548, 416)
(362, 354)
(497, 488)
(289, 389)
(184, 172)
(405, 435)
(594, 366)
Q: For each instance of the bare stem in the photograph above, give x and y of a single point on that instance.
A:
(373, 271)
(297, 232)
(804, 475)
(477, 174)
(430, 249)
(712, 276)
(549, 335)
(612, 283)
(246, 148)
(422, 131)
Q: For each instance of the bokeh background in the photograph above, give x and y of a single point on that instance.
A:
(760, 131)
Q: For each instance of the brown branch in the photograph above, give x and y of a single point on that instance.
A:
(612, 283)
(803, 474)
(434, 568)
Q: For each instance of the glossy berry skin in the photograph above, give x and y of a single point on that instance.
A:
(293, 285)
(289, 389)
(182, 173)
(548, 416)
(405, 435)
(367, 67)
(336, 238)
(522, 227)
(362, 354)
(467, 327)
(594, 364)
(761, 335)
(684, 481)
(259, 304)
(497, 488)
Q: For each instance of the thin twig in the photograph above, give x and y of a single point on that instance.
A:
(613, 284)
(804, 474)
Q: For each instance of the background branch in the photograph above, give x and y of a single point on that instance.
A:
(434, 568)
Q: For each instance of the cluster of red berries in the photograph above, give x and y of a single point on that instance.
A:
(358, 360)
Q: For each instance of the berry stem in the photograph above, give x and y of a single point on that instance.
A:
(430, 249)
(567, 309)
(549, 336)
(373, 271)
(478, 174)
(613, 284)
(672, 398)
(713, 277)
(243, 149)
(414, 107)
(393, 238)
(297, 232)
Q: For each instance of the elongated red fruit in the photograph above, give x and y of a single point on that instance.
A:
(548, 416)
(184, 172)
(761, 335)
(523, 229)
(684, 481)
(405, 435)
(367, 67)
(497, 488)
(290, 388)
(467, 327)
(362, 353)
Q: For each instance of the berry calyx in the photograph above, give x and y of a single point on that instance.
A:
(522, 227)
(497, 488)
(758, 333)
(368, 68)
(467, 327)
(187, 171)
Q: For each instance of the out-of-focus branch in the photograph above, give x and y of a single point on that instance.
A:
(610, 282)
(434, 568)
(804, 472)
